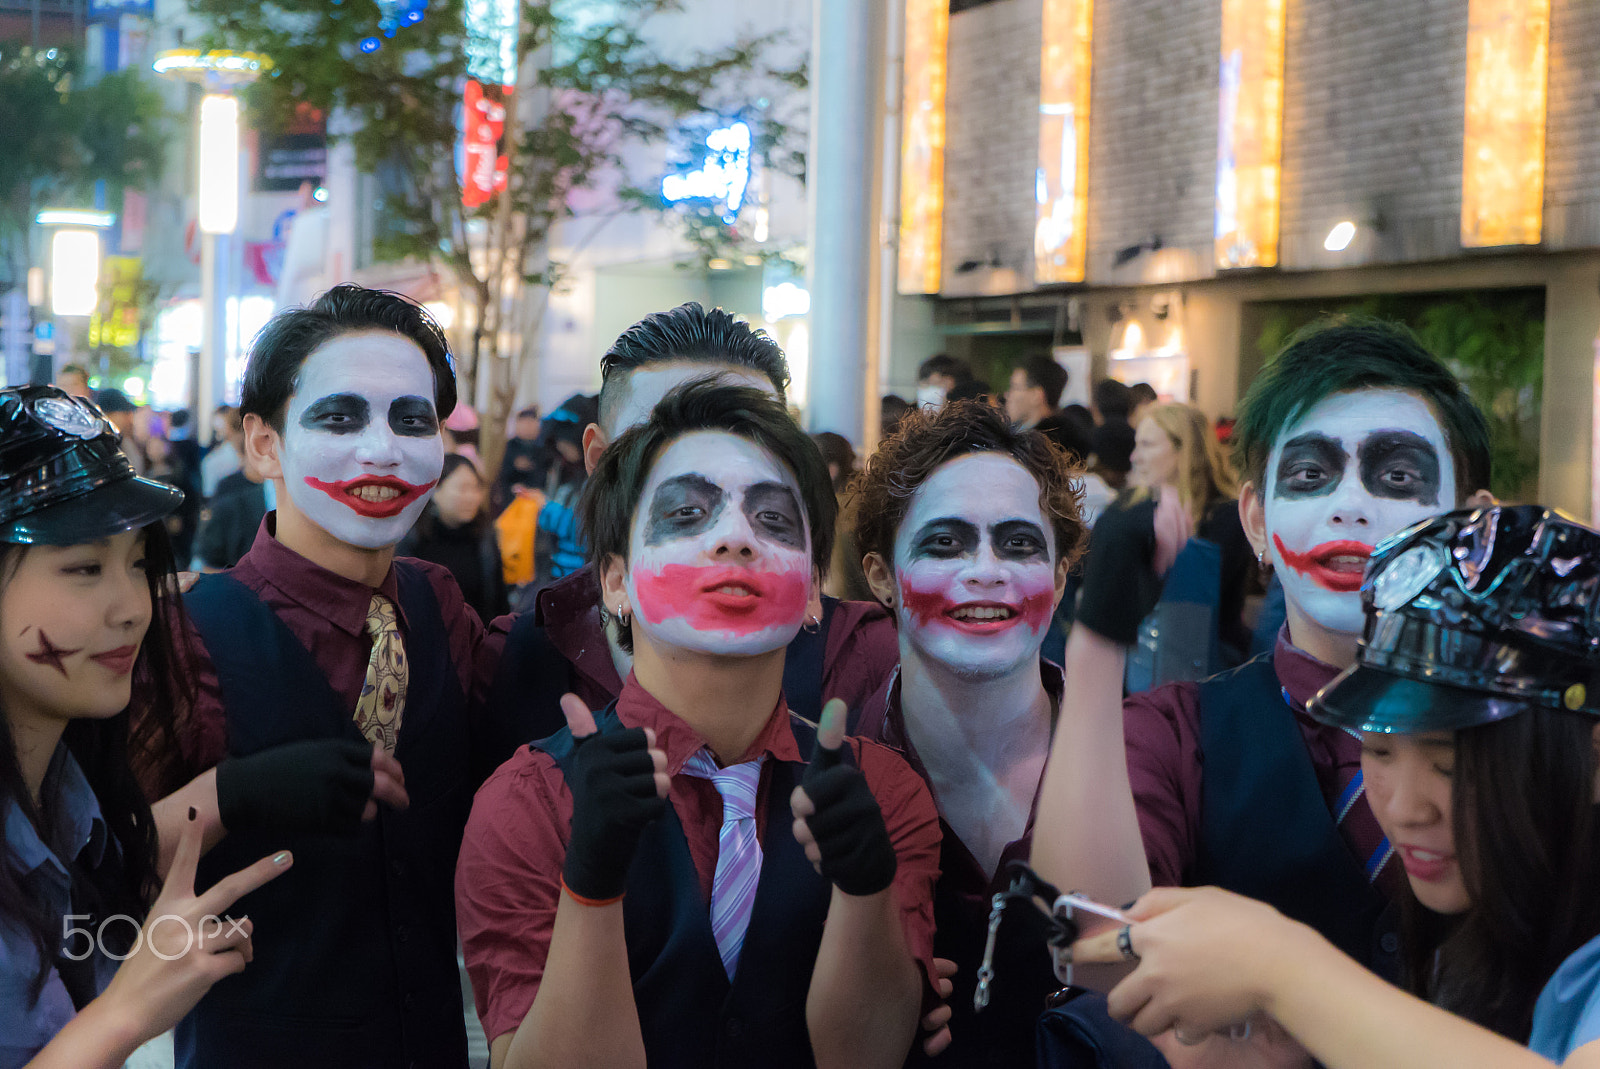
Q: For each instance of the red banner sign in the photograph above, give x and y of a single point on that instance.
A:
(484, 119)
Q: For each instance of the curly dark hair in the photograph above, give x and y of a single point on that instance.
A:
(880, 495)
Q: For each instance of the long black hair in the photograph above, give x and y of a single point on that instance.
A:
(1528, 843)
(104, 749)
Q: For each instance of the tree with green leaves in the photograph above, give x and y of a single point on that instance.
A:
(62, 135)
(592, 85)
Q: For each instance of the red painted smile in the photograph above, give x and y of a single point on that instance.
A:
(979, 617)
(376, 496)
(1338, 566)
(119, 660)
(721, 598)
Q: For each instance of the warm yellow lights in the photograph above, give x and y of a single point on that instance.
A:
(74, 272)
(922, 146)
(219, 163)
(1060, 231)
(1250, 133)
(1502, 168)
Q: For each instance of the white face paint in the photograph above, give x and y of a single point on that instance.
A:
(720, 550)
(1352, 471)
(974, 563)
(361, 449)
(649, 384)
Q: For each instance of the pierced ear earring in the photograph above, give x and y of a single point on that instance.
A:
(624, 618)
(812, 625)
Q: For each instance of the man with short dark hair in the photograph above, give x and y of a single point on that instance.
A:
(328, 671)
(1034, 399)
(568, 643)
(1112, 440)
(669, 880)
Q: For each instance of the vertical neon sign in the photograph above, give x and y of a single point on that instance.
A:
(922, 146)
(1249, 133)
(1061, 183)
(1502, 159)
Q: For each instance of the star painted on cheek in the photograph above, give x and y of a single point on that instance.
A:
(51, 654)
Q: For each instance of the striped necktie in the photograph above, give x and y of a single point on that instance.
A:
(733, 889)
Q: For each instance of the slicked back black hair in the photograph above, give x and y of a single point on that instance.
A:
(291, 336)
(1342, 354)
(688, 333)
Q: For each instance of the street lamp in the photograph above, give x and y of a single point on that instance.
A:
(220, 72)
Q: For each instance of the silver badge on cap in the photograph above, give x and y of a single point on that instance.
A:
(69, 417)
(1405, 577)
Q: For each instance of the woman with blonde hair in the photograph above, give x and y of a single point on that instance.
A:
(1179, 466)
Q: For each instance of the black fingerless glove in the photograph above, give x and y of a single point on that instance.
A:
(847, 825)
(613, 784)
(321, 785)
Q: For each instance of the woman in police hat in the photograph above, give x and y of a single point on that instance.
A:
(1477, 696)
(86, 580)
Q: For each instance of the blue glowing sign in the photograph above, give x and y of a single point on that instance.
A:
(724, 175)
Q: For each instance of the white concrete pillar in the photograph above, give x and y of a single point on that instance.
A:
(839, 207)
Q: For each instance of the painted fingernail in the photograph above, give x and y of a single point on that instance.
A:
(281, 858)
(193, 813)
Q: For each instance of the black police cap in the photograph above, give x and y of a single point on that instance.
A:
(63, 478)
(1474, 616)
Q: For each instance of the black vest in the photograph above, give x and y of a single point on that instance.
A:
(525, 697)
(690, 1014)
(1265, 828)
(355, 946)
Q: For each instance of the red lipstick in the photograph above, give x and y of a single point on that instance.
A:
(722, 598)
(346, 493)
(1329, 565)
(119, 660)
(927, 606)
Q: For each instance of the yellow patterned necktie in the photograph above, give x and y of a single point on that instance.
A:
(383, 694)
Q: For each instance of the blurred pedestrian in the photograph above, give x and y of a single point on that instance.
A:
(75, 380)
(526, 461)
(892, 409)
(845, 578)
(1112, 440)
(938, 376)
(454, 530)
(1143, 397)
(460, 432)
(120, 410)
(226, 455)
(1032, 403)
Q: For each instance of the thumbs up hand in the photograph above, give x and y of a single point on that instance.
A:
(837, 819)
(619, 785)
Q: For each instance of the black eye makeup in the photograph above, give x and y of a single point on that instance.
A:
(413, 417)
(774, 512)
(1311, 465)
(944, 538)
(1401, 466)
(1019, 540)
(338, 413)
(682, 506)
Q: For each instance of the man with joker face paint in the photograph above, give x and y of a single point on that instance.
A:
(707, 877)
(1353, 433)
(331, 678)
(969, 528)
(570, 641)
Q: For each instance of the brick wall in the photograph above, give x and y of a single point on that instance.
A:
(991, 146)
(1153, 134)
(1373, 114)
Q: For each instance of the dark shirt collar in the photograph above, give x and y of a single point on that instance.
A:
(569, 612)
(342, 602)
(76, 813)
(637, 707)
(894, 733)
(1301, 674)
